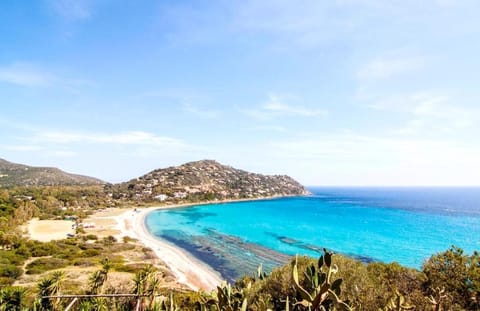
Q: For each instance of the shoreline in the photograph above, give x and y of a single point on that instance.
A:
(187, 269)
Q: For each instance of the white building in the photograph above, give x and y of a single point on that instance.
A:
(161, 197)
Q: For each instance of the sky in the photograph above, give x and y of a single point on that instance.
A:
(337, 92)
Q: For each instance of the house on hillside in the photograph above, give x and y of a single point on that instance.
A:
(161, 197)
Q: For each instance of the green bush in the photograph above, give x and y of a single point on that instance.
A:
(127, 239)
(458, 274)
(119, 247)
(6, 281)
(10, 271)
(45, 264)
(91, 237)
(39, 249)
(365, 286)
(130, 268)
(109, 240)
(10, 257)
(85, 262)
(90, 252)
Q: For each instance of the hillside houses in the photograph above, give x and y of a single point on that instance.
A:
(208, 179)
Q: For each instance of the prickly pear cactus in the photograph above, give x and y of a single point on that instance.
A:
(228, 299)
(398, 303)
(325, 291)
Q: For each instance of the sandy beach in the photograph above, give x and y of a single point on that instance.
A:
(187, 269)
(121, 222)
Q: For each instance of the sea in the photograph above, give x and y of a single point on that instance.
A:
(404, 225)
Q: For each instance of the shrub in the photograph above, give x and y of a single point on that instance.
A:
(91, 237)
(10, 271)
(6, 281)
(39, 249)
(130, 268)
(91, 252)
(458, 274)
(45, 264)
(127, 239)
(109, 240)
(119, 247)
(10, 257)
(85, 262)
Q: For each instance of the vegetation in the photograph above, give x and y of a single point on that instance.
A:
(331, 283)
(447, 281)
(13, 174)
(204, 180)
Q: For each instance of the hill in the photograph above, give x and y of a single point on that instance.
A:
(13, 174)
(205, 180)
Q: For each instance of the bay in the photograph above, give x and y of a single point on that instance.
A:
(405, 225)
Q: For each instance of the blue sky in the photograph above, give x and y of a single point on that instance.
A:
(338, 92)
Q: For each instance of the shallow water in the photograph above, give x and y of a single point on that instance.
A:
(406, 225)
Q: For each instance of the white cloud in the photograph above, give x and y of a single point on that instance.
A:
(72, 9)
(269, 128)
(375, 160)
(295, 24)
(429, 111)
(61, 153)
(203, 113)
(309, 23)
(277, 107)
(32, 75)
(25, 75)
(125, 138)
(387, 67)
(21, 147)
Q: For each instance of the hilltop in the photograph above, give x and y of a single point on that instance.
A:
(205, 180)
(13, 174)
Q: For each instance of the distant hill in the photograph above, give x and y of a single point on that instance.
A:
(13, 174)
(205, 180)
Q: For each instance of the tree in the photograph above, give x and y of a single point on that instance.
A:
(458, 274)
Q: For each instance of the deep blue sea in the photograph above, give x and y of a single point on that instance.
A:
(406, 225)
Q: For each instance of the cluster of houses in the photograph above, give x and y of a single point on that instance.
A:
(208, 178)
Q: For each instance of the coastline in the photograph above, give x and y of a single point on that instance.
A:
(187, 269)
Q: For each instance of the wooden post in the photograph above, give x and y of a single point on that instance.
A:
(71, 304)
(137, 307)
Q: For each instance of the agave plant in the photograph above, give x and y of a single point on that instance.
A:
(146, 285)
(99, 278)
(165, 304)
(12, 298)
(50, 286)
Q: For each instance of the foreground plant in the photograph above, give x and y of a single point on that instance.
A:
(12, 298)
(398, 303)
(51, 286)
(227, 298)
(325, 292)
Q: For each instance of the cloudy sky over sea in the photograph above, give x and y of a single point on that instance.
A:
(345, 92)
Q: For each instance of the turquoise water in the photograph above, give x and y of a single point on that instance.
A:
(406, 225)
